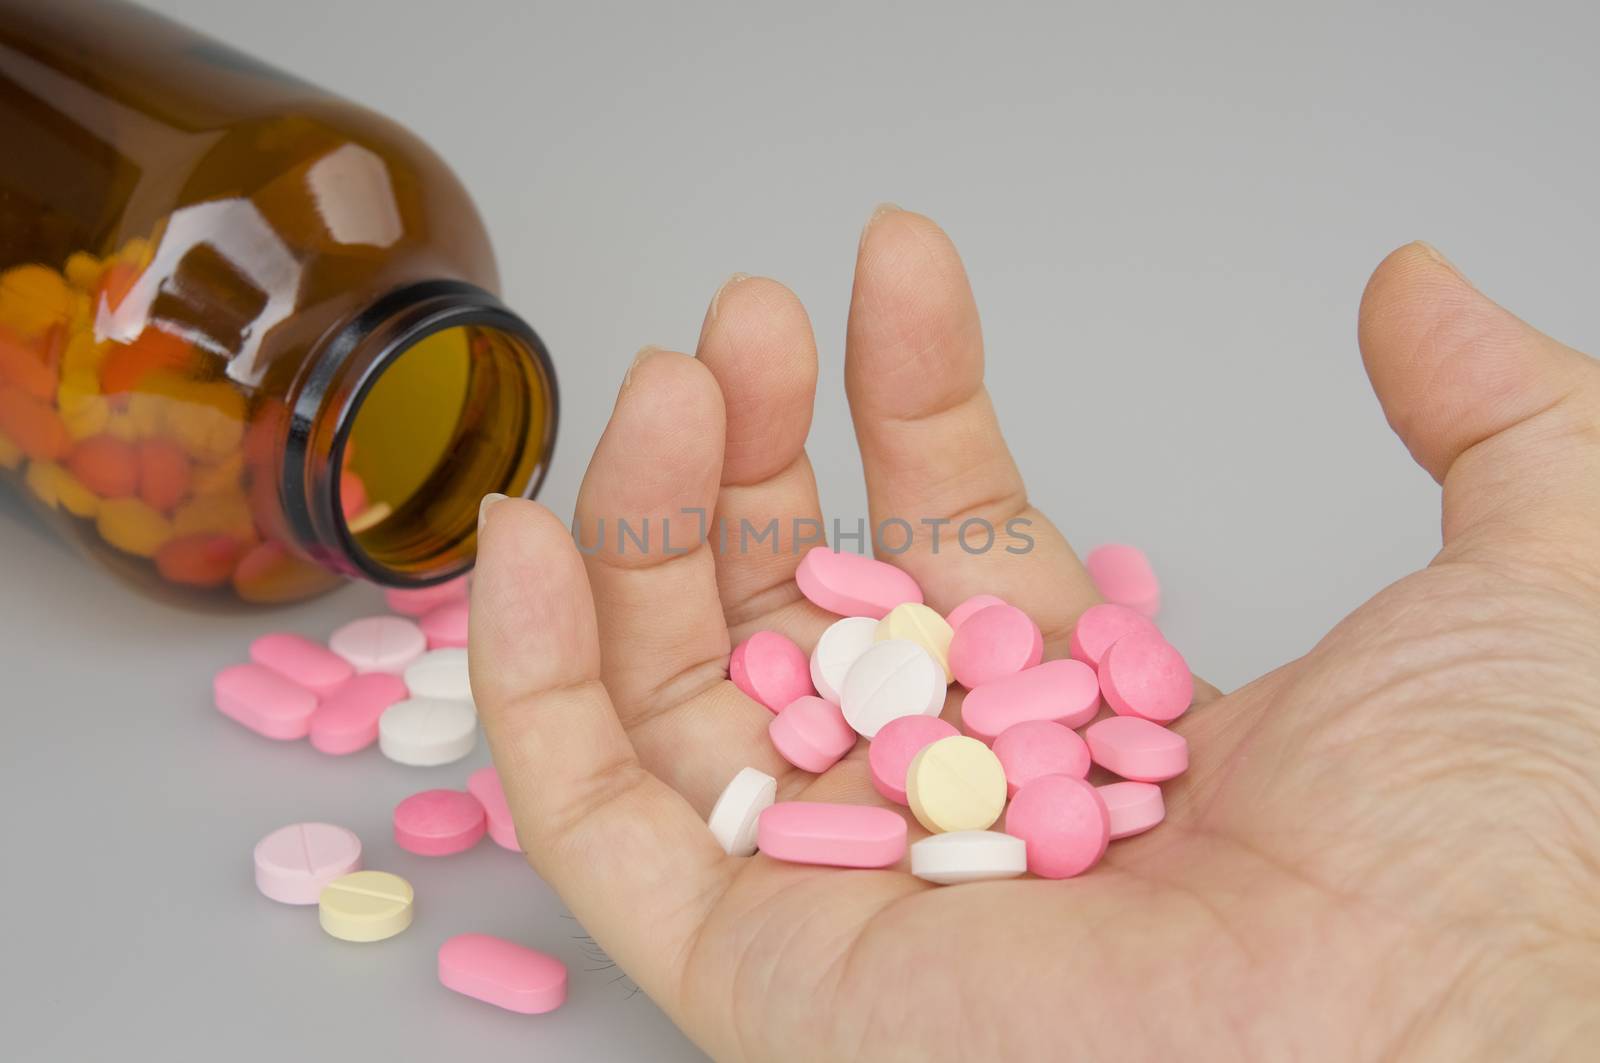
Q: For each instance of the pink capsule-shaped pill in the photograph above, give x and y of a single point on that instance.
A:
(438, 822)
(812, 832)
(1100, 626)
(771, 669)
(994, 642)
(347, 720)
(1064, 823)
(1039, 747)
(1066, 692)
(1134, 807)
(1142, 675)
(446, 626)
(853, 585)
(484, 784)
(264, 701)
(502, 973)
(1122, 574)
(811, 733)
(296, 658)
(896, 745)
(419, 601)
(1137, 749)
(958, 616)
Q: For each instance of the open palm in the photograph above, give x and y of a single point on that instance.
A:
(1390, 847)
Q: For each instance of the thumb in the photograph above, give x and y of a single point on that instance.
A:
(1504, 417)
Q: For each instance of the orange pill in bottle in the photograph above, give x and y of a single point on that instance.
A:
(249, 341)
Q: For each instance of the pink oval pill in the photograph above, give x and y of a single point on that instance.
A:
(1066, 691)
(293, 863)
(896, 745)
(994, 642)
(1039, 747)
(347, 720)
(438, 822)
(1100, 626)
(1142, 675)
(811, 832)
(484, 784)
(417, 601)
(771, 669)
(1137, 749)
(1064, 823)
(446, 625)
(852, 585)
(502, 973)
(297, 658)
(811, 733)
(1134, 807)
(1122, 574)
(960, 613)
(264, 701)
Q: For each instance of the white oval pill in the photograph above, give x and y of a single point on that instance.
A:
(840, 647)
(425, 732)
(379, 643)
(968, 856)
(891, 679)
(737, 813)
(440, 674)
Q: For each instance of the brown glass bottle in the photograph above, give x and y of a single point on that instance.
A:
(248, 341)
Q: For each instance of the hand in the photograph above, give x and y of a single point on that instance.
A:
(1390, 847)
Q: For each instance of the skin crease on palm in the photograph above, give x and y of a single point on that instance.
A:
(1388, 848)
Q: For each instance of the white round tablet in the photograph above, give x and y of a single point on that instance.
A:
(734, 817)
(379, 643)
(425, 732)
(968, 856)
(440, 674)
(838, 649)
(893, 678)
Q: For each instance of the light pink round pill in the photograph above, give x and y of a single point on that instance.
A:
(1137, 749)
(853, 585)
(1100, 626)
(297, 658)
(438, 822)
(1065, 691)
(347, 720)
(502, 973)
(960, 613)
(418, 601)
(812, 832)
(1122, 574)
(379, 643)
(1064, 822)
(484, 784)
(811, 733)
(293, 863)
(1040, 747)
(1134, 807)
(446, 625)
(994, 642)
(771, 669)
(1142, 675)
(896, 745)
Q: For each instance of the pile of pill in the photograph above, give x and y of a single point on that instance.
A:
(883, 672)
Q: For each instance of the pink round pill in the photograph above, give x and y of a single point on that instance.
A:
(446, 625)
(484, 784)
(418, 601)
(379, 643)
(960, 613)
(1065, 691)
(1122, 574)
(502, 973)
(853, 585)
(264, 701)
(438, 822)
(1142, 675)
(1134, 807)
(771, 669)
(347, 720)
(812, 734)
(298, 659)
(1137, 749)
(812, 832)
(1040, 747)
(1064, 823)
(993, 642)
(293, 863)
(1100, 626)
(896, 745)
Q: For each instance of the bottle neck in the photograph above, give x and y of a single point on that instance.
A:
(410, 413)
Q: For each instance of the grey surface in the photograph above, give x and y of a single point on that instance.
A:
(1168, 216)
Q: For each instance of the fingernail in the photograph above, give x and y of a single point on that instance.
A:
(488, 500)
(1438, 256)
(878, 212)
(638, 359)
(737, 278)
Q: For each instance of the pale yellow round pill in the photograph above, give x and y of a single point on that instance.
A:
(915, 622)
(956, 783)
(365, 906)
